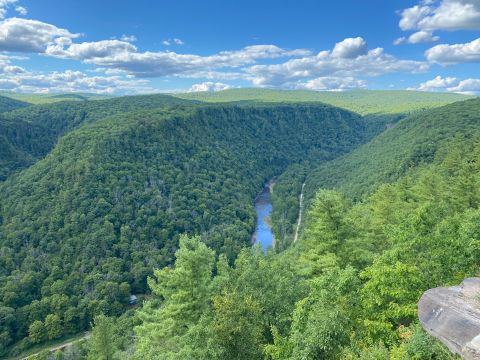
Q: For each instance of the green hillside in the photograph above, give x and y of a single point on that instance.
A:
(115, 191)
(29, 133)
(34, 98)
(348, 289)
(411, 142)
(82, 228)
(361, 101)
(8, 104)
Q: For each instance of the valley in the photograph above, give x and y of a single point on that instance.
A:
(263, 234)
(161, 195)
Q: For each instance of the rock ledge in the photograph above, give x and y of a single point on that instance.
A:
(452, 315)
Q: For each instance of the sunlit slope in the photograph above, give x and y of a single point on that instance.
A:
(29, 133)
(35, 98)
(412, 141)
(107, 204)
(8, 104)
(361, 101)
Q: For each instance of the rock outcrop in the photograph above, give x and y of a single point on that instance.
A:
(452, 315)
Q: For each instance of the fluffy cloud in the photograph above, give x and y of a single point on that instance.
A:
(21, 10)
(23, 35)
(209, 86)
(450, 84)
(328, 64)
(175, 41)
(333, 83)
(445, 15)
(122, 55)
(128, 38)
(455, 53)
(437, 83)
(89, 51)
(6, 68)
(350, 48)
(73, 81)
(4, 4)
(417, 37)
(467, 86)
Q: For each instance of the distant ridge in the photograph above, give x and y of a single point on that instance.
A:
(364, 102)
(33, 98)
(8, 104)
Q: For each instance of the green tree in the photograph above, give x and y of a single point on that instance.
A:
(102, 344)
(37, 332)
(53, 326)
(184, 292)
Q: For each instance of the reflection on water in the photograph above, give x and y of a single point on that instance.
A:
(263, 207)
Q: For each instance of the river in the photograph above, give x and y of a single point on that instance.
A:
(263, 207)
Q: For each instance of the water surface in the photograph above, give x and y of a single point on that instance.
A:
(263, 207)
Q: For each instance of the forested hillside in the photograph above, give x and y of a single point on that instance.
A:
(347, 290)
(7, 104)
(166, 193)
(39, 98)
(81, 229)
(28, 134)
(411, 142)
(365, 102)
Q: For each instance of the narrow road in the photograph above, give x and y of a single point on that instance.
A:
(59, 346)
(300, 212)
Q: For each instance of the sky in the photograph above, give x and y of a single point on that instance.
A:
(132, 47)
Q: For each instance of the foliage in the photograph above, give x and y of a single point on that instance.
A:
(360, 101)
(166, 194)
(36, 98)
(8, 104)
(408, 144)
(321, 300)
(83, 228)
(29, 133)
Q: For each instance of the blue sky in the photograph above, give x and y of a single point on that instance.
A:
(123, 47)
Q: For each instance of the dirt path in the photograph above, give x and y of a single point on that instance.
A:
(300, 213)
(59, 346)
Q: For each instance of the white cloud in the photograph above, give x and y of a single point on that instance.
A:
(411, 17)
(21, 10)
(438, 83)
(209, 86)
(91, 50)
(350, 48)
(467, 86)
(325, 64)
(455, 53)
(6, 68)
(450, 84)
(445, 15)
(73, 81)
(175, 41)
(128, 38)
(124, 56)
(332, 84)
(417, 37)
(4, 4)
(22, 35)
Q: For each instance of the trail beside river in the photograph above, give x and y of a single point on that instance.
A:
(300, 213)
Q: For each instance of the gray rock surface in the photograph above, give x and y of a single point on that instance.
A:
(452, 315)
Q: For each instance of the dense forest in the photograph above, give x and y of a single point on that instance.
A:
(8, 104)
(81, 229)
(364, 102)
(29, 133)
(157, 201)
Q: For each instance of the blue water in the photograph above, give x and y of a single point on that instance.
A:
(263, 207)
